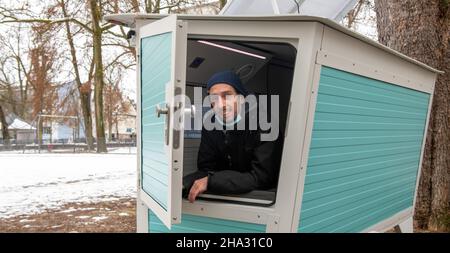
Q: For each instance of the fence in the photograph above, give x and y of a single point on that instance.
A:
(65, 146)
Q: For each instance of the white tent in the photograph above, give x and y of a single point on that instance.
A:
(334, 10)
(19, 124)
(21, 131)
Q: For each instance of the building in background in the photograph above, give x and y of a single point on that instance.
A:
(20, 131)
(124, 126)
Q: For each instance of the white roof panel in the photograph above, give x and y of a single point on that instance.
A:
(334, 10)
(249, 7)
(129, 20)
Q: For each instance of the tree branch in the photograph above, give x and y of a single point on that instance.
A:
(116, 60)
(107, 27)
(113, 33)
(48, 21)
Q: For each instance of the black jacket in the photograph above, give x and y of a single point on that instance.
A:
(236, 161)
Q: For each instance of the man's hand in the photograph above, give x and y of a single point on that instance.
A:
(198, 188)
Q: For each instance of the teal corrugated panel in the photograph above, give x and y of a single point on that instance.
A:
(155, 75)
(200, 224)
(364, 153)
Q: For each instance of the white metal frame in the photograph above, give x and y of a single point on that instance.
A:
(178, 75)
(141, 215)
(131, 19)
(338, 56)
(391, 222)
(278, 217)
(308, 37)
(305, 37)
(141, 208)
(383, 64)
(313, 92)
(407, 226)
(360, 68)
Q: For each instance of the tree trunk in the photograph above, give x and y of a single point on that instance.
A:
(108, 110)
(148, 6)
(110, 126)
(117, 128)
(19, 76)
(98, 76)
(85, 99)
(421, 30)
(13, 101)
(40, 131)
(84, 92)
(5, 133)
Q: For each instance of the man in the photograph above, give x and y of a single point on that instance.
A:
(231, 161)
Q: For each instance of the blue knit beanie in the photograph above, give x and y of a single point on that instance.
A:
(230, 78)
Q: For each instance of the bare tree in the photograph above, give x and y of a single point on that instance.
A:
(85, 21)
(83, 88)
(362, 19)
(5, 133)
(95, 29)
(15, 70)
(50, 19)
(115, 105)
(43, 60)
(421, 30)
(98, 74)
(7, 96)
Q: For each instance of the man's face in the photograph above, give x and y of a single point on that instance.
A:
(224, 101)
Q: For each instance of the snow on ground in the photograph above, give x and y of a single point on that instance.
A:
(31, 183)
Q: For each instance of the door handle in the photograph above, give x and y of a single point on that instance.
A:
(165, 111)
(160, 110)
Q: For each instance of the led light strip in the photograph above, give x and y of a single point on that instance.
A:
(231, 49)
